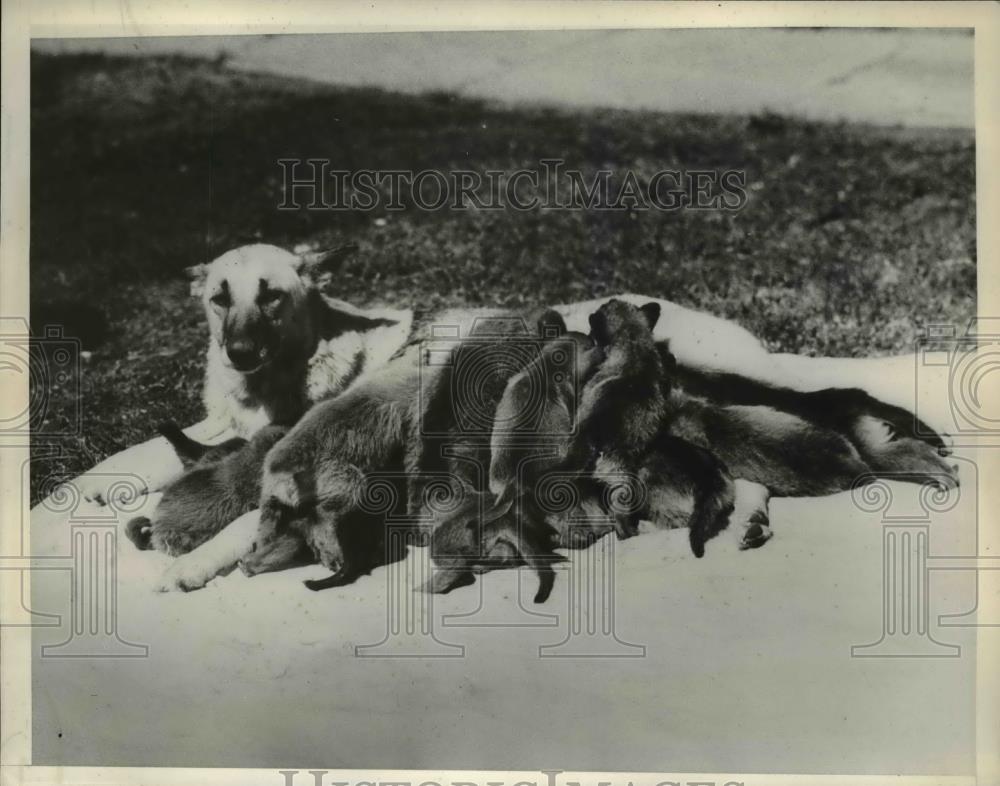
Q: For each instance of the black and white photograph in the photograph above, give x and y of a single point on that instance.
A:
(595, 400)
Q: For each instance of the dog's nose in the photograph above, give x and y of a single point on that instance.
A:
(243, 355)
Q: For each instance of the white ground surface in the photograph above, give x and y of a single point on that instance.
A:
(747, 665)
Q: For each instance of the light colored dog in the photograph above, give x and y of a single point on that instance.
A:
(277, 344)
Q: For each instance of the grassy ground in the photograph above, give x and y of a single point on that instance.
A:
(851, 240)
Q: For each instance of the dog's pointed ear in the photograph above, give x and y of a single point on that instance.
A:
(315, 263)
(197, 274)
(651, 311)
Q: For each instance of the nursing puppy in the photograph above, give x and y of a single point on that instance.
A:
(326, 484)
(536, 415)
(534, 429)
(652, 474)
(795, 443)
(891, 441)
(220, 483)
(485, 534)
(486, 528)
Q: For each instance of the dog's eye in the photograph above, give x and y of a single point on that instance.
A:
(220, 299)
(271, 297)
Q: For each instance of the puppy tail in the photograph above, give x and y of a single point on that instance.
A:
(140, 531)
(713, 505)
(339, 579)
(187, 450)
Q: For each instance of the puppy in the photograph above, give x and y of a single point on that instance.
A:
(891, 441)
(530, 415)
(220, 483)
(796, 443)
(336, 477)
(478, 537)
(614, 379)
(623, 440)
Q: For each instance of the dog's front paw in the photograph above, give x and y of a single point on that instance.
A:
(117, 489)
(182, 576)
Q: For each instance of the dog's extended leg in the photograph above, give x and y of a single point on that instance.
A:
(903, 381)
(194, 570)
(187, 449)
(145, 467)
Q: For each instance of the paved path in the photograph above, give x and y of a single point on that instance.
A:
(914, 78)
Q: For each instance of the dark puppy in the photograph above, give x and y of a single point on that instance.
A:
(795, 443)
(891, 441)
(220, 483)
(479, 537)
(651, 474)
(521, 372)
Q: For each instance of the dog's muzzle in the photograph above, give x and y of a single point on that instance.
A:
(246, 356)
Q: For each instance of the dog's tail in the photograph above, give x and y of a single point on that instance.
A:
(187, 450)
(140, 531)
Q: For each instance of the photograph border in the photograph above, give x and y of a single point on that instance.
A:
(23, 20)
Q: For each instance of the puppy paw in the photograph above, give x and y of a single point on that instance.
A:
(182, 576)
(756, 535)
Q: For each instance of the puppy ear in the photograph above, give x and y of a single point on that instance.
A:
(551, 324)
(652, 313)
(316, 263)
(197, 274)
(599, 327)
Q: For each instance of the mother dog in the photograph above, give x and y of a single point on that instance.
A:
(278, 345)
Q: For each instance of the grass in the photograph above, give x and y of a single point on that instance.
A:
(852, 238)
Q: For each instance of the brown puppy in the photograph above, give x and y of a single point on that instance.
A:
(796, 443)
(535, 410)
(220, 483)
(622, 439)
(323, 483)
